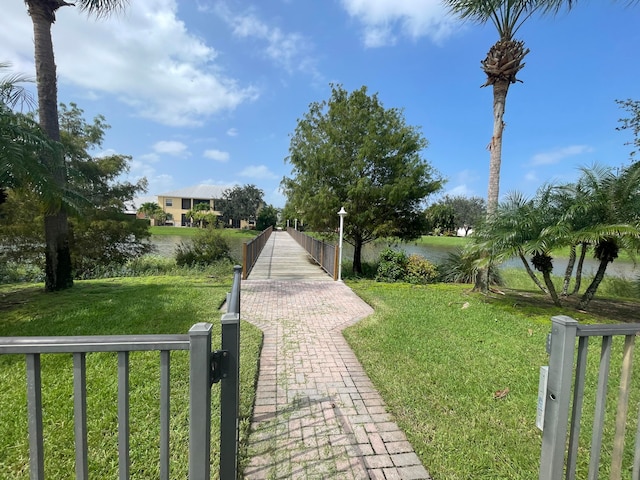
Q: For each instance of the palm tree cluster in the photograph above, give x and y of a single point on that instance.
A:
(598, 214)
(153, 211)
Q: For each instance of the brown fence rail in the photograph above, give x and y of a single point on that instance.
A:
(324, 254)
(251, 250)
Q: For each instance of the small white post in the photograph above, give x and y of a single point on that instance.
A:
(342, 213)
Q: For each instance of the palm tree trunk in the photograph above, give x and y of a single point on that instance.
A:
(58, 273)
(569, 270)
(551, 287)
(500, 90)
(583, 254)
(593, 287)
(531, 273)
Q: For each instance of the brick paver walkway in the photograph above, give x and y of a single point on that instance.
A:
(317, 415)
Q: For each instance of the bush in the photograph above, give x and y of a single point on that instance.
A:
(419, 270)
(392, 266)
(460, 267)
(206, 247)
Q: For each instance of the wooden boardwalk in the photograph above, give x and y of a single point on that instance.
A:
(283, 259)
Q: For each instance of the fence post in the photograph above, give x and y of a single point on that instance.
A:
(556, 415)
(200, 402)
(230, 384)
(245, 267)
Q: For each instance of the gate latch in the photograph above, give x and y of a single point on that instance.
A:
(219, 368)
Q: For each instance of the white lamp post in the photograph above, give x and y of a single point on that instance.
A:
(342, 213)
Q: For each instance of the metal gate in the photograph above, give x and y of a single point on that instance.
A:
(565, 396)
(205, 368)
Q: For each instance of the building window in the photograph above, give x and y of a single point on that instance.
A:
(168, 202)
(186, 204)
(199, 201)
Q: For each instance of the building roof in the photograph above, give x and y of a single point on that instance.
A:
(198, 191)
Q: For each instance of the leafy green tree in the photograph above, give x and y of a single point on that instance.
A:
(267, 217)
(241, 203)
(101, 234)
(58, 271)
(350, 151)
(631, 123)
(441, 218)
(467, 211)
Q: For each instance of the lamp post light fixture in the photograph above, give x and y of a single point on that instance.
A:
(342, 213)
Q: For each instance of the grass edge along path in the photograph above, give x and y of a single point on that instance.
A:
(162, 304)
(440, 355)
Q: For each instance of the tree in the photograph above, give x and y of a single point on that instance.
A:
(349, 151)
(22, 142)
(148, 209)
(241, 203)
(441, 218)
(42, 12)
(501, 65)
(267, 217)
(466, 211)
(95, 196)
(201, 215)
(611, 201)
(631, 123)
(518, 228)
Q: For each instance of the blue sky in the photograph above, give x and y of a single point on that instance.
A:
(206, 91)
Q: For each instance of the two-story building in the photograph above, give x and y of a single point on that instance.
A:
(178, 202)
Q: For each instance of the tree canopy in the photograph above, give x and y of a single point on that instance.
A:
(101, 234)
(241, 203)
(350, 151)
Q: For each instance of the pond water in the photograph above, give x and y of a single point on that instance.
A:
(166, 246)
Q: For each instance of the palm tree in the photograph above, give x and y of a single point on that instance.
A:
(612, 204)
(518, 227)
(21, 141)
(501, 65)
(58, 274)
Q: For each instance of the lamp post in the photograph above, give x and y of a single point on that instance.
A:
(342, 213)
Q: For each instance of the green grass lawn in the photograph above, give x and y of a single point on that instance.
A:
(438, 354)
(161, 304)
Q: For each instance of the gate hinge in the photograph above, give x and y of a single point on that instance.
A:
(219, 368)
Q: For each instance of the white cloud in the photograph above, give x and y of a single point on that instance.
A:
(144, 56)
(531, 177)
(232, 132)
(559, 154)
(258, 171)
(460, 190)
(170, 147)
(384, 20)
(290, 51)
(149, 157)
(217, 155)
